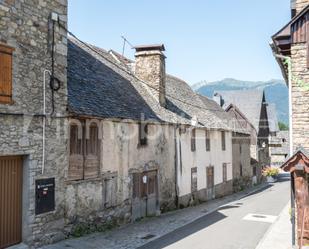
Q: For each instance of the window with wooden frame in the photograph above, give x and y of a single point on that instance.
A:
(193, 140)
(84, 158)
(224, 172)
(210, 176)
(223, 145)
(207, 139)
(142, 134)
(6, 67)
(76, 158)
(92, 155)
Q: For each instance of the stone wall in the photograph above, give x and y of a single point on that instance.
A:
(150, 67)
(300, 95)
(24, 25)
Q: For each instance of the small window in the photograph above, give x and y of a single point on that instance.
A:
(223, 145)
(5, 74)
(75, 141)
(240, 169)
(143, 132)
(254, 170)
(193, 179)
(240, 148)
(224, 172)
(193, 140)
(207, 136)
(210, 176)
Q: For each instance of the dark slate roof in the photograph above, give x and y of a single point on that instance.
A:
(100, 86)
(281, 143)
(249, 102)
(272, 118)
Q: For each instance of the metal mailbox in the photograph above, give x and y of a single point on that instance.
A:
(44, 195)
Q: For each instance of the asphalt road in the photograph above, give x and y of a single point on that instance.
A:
(227, 228)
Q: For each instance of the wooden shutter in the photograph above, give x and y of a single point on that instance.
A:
(193, 140)
(5, 74)
(110, 192)
(224, 172)
(207, 137)
(210, 177)
(193, 179)
(92, 158)
(223, 140)
(76, 159)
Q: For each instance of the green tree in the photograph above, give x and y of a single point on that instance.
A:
(283, 126)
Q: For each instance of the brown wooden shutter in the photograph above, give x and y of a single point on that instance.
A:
(193, 179)
(223, 140)
(193, 140)
(207, 136)
(5, 74)
(92, 157)
(224, 172)
(210, 177)
(76, 159)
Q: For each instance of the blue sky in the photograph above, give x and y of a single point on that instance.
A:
(204, 39)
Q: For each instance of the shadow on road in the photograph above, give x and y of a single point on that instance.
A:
(186, 230)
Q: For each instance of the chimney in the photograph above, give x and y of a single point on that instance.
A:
(297, 6)
(150, 67)
(218, 99)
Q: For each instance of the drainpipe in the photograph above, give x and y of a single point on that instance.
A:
(44, 118)
(176, 166)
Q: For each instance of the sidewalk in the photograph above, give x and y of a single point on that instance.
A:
(140, 233)
(279, 235)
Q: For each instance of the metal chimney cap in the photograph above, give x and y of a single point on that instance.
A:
(159, 47)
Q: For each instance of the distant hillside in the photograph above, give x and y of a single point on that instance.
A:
(275, 92)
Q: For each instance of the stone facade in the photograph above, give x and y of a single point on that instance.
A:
(120, 158)
(300, 95)
(25, 26)
(150, 67)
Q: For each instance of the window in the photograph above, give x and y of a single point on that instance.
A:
(193, 180)
(223, 146)
(240, 169)
(207, 136)
(143, 132)
(254, 170)
(84, 160)
(224, 172)
(193, 140)
(210, 176)
(5, 74)
(240, 148)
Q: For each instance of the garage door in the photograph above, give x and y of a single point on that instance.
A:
(10, 201)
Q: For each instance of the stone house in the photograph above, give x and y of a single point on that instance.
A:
(89, 139)
(245, 173)
(32, 158)
(290, 47)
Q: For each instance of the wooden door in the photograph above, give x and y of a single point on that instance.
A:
(10, 201)
(145, 194)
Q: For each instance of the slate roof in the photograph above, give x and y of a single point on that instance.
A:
(272, 118)
(99, 86)
(249, 102)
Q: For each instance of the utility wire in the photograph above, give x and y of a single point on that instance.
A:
(133, 75)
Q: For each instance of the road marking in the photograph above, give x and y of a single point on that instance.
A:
(260, 218)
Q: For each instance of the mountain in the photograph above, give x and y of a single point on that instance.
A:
(276, 92)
